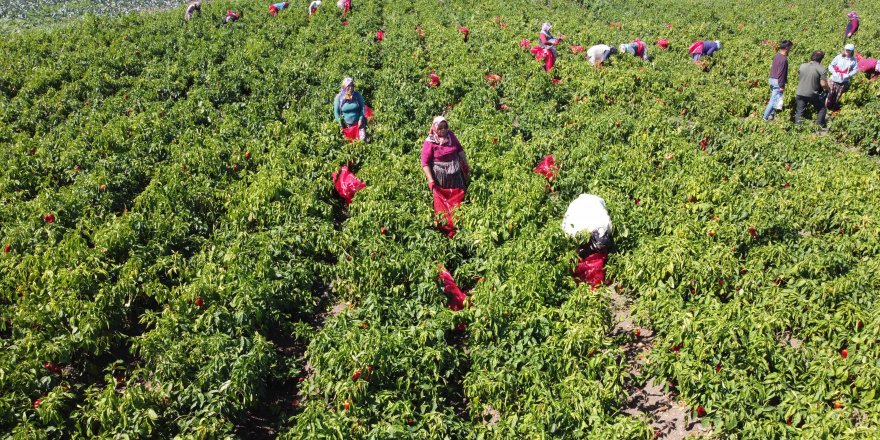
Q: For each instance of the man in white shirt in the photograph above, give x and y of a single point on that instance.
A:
(599, 53)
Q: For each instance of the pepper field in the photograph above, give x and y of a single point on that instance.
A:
(176, 262)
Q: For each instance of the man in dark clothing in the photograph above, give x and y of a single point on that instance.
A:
(812, 88)
(778, 79)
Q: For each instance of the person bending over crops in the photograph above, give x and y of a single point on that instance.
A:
(703, 48)
(843, 67)
(778, 79)
(194, 7)
(231, 16)
(588, 221)
(345, 5)
(599, 53)
(313, 7)
(443, 160)
(274, 8)
(636, 48)
(852, 25)
(349, 109)
(869, 67)
(549, 42)
(811, 89)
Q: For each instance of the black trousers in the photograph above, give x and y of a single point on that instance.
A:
(818, 102)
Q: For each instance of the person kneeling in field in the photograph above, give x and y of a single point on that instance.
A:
(193, 7)
(636, 48)
(349, 110)
(588, 222)
(599, 53)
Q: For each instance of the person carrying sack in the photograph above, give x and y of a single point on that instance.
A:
(443, 160)
(548, 43)
(778, 80)
(587, 222)
(349, 111)
(446, 169)
(843, 67)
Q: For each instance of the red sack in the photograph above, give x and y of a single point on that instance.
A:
(548, 168)
(456, 296)
(445, 202)
(465, 31)
(549, 60)
(368, 112)
(591, 269)
(577, 49)
(525, 43)
(663, 43)
(347, 184)
(351, 133)
(433, 80)
(538, 52)
(380, 35)
(696, 48)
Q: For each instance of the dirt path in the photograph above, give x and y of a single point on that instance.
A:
(669, 417)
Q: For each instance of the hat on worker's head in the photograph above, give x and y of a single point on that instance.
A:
(850, 47)
(718, 43)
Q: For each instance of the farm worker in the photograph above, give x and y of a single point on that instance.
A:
(443, 160)
(811, 89)
(636, 48)
(843, 67)
(231, 17)
(778, 79)
(549, 42)
(852, 26)
(587, 219)
(193, 7)
(313, 7)
(869, 67)
(345, 5)
(703, 48)
(274, 8)
(349, 108)
(599, 53)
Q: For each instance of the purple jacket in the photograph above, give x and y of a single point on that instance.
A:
(709, 47)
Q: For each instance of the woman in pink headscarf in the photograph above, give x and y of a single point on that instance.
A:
(548, 43)
(852, 26)
(443, 159)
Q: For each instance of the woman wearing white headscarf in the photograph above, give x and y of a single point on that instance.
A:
(443, 159)
(548, 43)
(349, 108)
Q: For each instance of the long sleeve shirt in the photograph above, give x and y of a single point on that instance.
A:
(434, 152)
(842, 69)
(709, 47)
(547, 40)
(779, 69)
(350, 111)
(598, 53)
